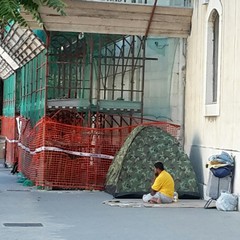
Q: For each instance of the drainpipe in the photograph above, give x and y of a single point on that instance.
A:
(182, 77)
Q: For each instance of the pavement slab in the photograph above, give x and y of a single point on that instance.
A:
(30, 214)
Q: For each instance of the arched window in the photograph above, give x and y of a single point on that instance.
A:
(212, 58)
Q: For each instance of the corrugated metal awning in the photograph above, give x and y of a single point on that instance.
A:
(5, 68)
(17, 47)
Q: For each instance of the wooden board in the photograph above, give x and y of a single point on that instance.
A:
(115, 18)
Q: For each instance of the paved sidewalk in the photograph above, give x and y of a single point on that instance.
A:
(81, 215)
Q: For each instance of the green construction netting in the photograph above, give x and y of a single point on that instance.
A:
(33, 85)
(161, 77)
(9, 96)
(98, 67)
(79, 63)
(40, 34)
(69, 70)
(18, 89)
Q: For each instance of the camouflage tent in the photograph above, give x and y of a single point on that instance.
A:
(131, 172)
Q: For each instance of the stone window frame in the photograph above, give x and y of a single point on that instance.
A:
(211, 102)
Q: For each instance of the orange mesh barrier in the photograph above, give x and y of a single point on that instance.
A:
(61, 170)
(64, 156)
(9, 130)
(24, 151)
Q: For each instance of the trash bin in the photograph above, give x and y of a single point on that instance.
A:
(2, 147)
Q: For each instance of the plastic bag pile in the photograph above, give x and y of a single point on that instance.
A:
(227, 202)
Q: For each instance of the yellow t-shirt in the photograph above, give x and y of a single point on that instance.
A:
(164, 184)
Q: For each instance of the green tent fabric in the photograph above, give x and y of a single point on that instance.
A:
(131, 172)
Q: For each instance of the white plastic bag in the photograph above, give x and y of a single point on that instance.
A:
(227, 202)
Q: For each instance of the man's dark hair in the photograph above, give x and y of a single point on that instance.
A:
(159, 165)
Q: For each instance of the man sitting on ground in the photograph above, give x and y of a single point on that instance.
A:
(162, 189)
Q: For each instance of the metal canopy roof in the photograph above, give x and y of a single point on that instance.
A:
(5, 68)
(116, 18)
(17, 47)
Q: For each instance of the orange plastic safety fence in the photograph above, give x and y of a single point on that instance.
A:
(58, 155)
(9, 130)
(24, 151)
(61, 170)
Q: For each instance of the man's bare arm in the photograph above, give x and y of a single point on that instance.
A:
(153, 192)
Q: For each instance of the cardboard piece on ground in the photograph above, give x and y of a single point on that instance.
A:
(186, 203)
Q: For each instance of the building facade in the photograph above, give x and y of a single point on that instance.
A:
(212, 85)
